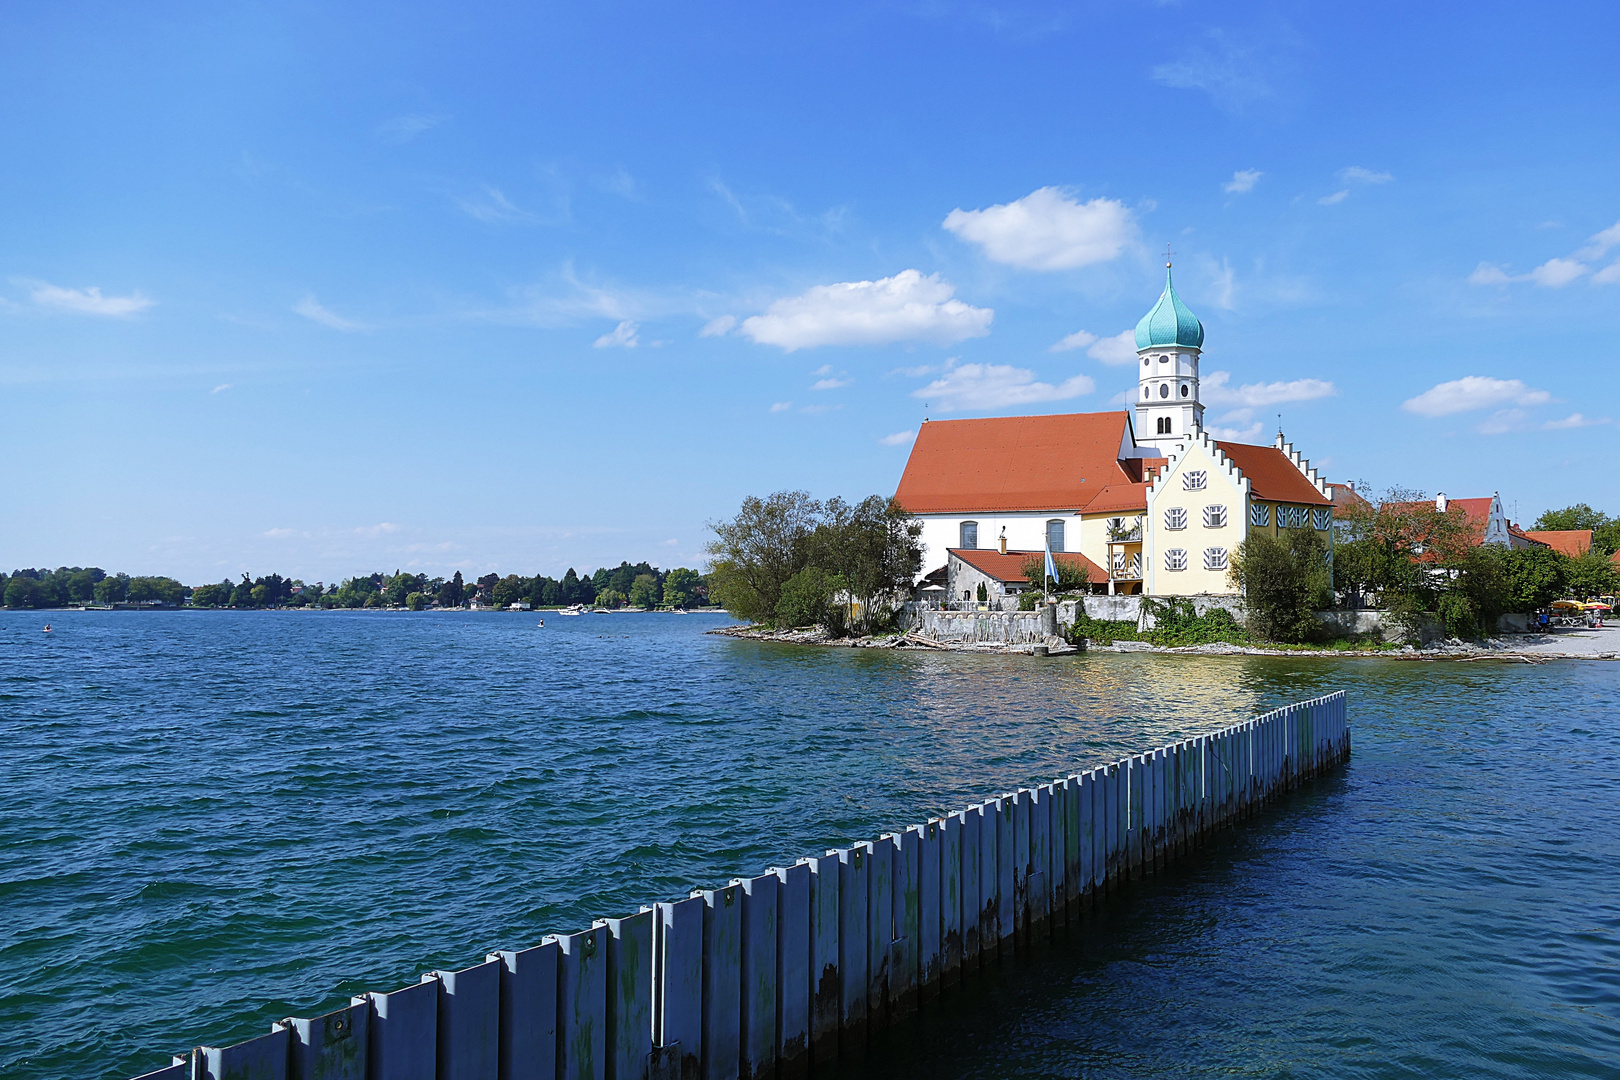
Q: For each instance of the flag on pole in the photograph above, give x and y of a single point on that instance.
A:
(1051, 567)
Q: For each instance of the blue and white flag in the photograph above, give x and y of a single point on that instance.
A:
(1051, 567)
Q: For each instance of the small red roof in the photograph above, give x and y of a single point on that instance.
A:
(1013, 463)
(1010, 567)
(1272, 476)
(1345, 496)
(1572, 542)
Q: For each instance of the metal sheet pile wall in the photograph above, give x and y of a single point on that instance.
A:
(773, 975)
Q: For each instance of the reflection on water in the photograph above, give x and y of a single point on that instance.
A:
(214, 820)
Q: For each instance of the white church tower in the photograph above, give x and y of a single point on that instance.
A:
(1168, 341)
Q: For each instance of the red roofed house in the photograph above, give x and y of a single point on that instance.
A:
(1160, 515)
(1002, 574)
(1488, 521)
(1571, 542)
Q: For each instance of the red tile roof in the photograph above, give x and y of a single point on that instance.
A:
(1572, 542)
(1272, 476)
(1344, 497)
(1010, 567)
(1013, 463)
(1119, 499)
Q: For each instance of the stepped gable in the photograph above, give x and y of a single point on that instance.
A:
(1272, 475)
(1010, 567)
(1014, 463)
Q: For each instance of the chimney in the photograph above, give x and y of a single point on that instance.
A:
(1440, 502)
(1004, 539)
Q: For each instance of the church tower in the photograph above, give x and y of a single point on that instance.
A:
(1168, 341)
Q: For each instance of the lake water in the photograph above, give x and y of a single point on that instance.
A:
(209, 821)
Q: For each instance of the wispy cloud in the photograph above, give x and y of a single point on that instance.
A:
(1334, 199)
(1116, 350)
(1250, 434)
(312, 309)
(781, 406)
(1556, 273)
(1240, 402)
(220, 389)
(718, 327)
(402, 129)
(899, 438)
(1048, 229)
(1574, 421)
(88, 301)
(978, 387)
(1232, 68)
(1077, 340)
(622, 336)
(1356, 174)
(1473, 392)
(1242, 182)
(490, 205)
(906, 307)
(829, 384)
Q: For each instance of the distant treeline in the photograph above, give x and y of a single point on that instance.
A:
(636, 585)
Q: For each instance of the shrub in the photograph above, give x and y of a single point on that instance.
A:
(1285, 581)
(1177, 622)
(807, 599)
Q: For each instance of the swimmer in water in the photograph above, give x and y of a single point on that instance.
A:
(47, 628)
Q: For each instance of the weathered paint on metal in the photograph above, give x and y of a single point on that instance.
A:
(678, 983)
(1073, 841)
(989, 883)
(950, 898)
(1008, 868)
(722, 983)
(1136, 773)
(930, 949)
(853, 876)
(826, 981)
(332, 1046)
(905, 904)
(1085, 828)
(793, 972)
(179, 1068)
(402, 1033)
(630, 972)
(263, 1058)
(759, 917)
(469, 1039)
(1023, 866)
(879, 930)
(528, 1012)
(582, 1005)
(1039, 892)
(972, 850)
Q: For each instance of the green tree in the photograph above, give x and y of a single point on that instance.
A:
(415, 601)
(450, 592)
(807, 600)
(644, 591)
(681, 587)
(754, 554)
(1535, 578)
(1605, 529)
(508, 590)
(874, 547)
(1592, 575)
(1284, 581)
(27, 592)
(608, 598)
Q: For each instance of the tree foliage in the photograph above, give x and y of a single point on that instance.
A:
(1605, 529)
(1284, 581)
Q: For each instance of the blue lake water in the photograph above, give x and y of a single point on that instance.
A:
(209, 821)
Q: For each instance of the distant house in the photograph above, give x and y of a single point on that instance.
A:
(1002, 573)
(1571, 542)
(1487, 521)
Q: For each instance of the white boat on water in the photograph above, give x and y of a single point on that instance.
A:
(577, 609)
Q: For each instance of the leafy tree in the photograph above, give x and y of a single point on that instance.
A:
(115, 589)
(27, 592)
(608, 598)
(1535, 577)
(1605, 529)
(508, 590)
(1388, 549)
(680, 587)
(486, 587)
(644, 592)
(82, 584)
(212, 595)
(415, 601)
(754, 554)
(450, 592)
(873, 546)
(1284, 580)
(1592, 575)
(984, 592)
(1070, 579)
(807, 600)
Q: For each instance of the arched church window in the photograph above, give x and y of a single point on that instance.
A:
(1164, 389)
(970, 535)
(1054, 534)
(1164, 426)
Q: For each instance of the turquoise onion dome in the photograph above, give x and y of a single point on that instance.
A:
(1170, 322)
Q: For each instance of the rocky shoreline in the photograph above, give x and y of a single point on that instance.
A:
(1532, 649)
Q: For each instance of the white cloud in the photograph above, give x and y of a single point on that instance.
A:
(1227, 67)
(1474, 392)
(311, 308)
(1573, 421)
(1502, 422)
(87, 301)
(1241, 401)
(1489, 274)
(1119, 349)
(1334, 199)
(718, 327)
(1250, 434)
(1355, 174)
(975, 387)
(824, 369)
(402, 129)
(380, 529)
(1600, 243)
(1077, 340)
(1556, 273)
(905, 307)
(1047, 230)
(1242, 182)
(781, 406)
(622, 336)
(280, 534)
(899, 438)
(1224, 282)
(1609, 275)
(221, 388)
(829, 384)
(493, 207)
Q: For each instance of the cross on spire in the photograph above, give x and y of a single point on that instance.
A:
(1167, 256)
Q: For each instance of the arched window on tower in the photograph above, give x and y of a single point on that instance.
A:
(1164, 425)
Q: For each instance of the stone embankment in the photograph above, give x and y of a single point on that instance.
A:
(815, 635)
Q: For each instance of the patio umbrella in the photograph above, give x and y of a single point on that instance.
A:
(1576, 604)
(1596, 607)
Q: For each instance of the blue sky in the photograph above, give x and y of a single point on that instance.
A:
(323, 289)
